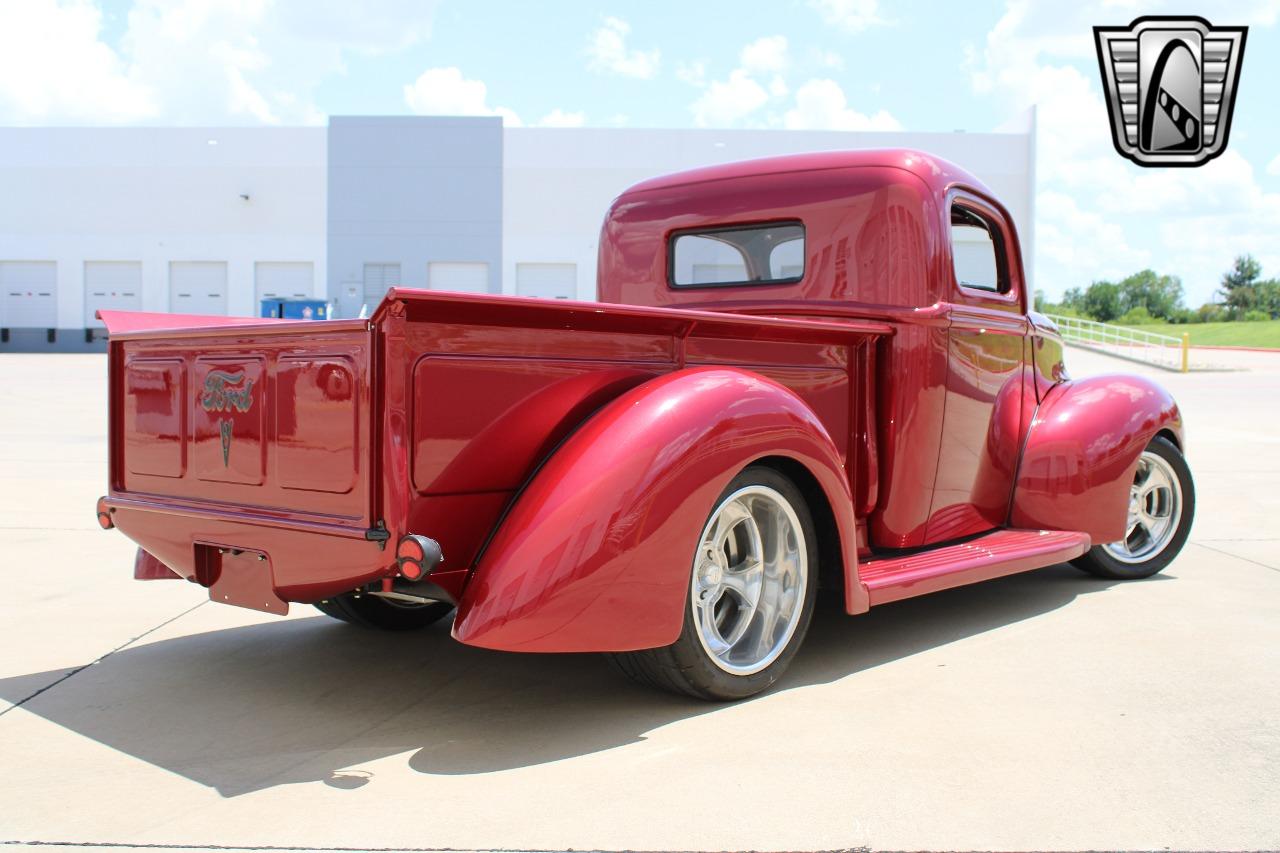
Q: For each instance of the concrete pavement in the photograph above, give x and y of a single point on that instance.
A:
(1047, 710)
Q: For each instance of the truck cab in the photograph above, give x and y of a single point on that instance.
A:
(897, 237)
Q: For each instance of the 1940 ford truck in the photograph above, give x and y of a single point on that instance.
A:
(807, 370)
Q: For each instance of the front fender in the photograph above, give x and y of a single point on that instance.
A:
(1082, 451)
(595, 554)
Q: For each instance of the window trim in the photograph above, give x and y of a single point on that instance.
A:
(999, 228)
(673, 236)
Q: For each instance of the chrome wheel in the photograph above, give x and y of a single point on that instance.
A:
(749, 579)
(1155, 510)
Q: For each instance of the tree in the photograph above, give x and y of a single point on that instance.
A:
(1102, 301)
(1160, 295)
(1238, 285)
(1267, 297)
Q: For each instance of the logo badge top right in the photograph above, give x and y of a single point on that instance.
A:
(1171, 85)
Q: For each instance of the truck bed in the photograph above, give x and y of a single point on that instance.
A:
(281, 456)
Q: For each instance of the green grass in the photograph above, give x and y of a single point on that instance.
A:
(1264, 333)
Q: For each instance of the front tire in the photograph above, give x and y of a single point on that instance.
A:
(1162, 504)
(750, 597)
(370, 611)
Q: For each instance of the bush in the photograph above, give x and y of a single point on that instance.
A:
(1139, 316)
(1255, 316)
(1211, 312)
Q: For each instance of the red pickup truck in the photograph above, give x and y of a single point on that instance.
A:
(806, 371)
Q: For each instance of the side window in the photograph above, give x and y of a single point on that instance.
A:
(755, 254)
(976, 252)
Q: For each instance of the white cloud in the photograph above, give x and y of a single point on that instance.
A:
(821, 105)
(1273, 168)
(560, 118)
(1097, 215)
(444, 91)
(607, 52)
(851, 15)
(765, 54)
(54, 68)
(727, 101)
(189, 61)
(694, 73)
(827, 59)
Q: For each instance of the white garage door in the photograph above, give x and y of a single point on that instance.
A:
(549, 281)
(113, 285)
(281, 280)
(462, 276)
(198, 287)
(29, 293)
(378, 279)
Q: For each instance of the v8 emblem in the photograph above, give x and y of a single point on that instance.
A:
(224, 427)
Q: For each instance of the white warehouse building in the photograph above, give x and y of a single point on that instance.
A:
(214, 220)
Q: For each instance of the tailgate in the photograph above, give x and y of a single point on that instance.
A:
(262, 419)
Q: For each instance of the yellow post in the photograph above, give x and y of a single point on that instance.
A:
(1186, 350)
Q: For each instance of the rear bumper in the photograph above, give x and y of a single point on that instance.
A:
(303, 560)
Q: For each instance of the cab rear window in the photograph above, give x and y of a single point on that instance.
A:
(772, 253)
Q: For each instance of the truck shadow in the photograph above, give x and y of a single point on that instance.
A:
(299, 700)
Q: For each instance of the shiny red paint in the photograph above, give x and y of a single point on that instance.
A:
(1003, 552)
(1083, 450)
(565, 455)
(595, 554)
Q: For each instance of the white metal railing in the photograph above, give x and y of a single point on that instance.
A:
(1151, 348)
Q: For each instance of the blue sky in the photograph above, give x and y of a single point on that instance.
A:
(857, 64)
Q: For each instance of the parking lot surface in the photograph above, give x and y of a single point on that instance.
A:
(1046, 710)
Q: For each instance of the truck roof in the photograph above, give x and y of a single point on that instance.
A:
(936, 172)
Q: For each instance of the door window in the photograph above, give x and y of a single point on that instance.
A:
(976, 252)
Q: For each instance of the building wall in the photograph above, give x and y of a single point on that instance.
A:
(558, 182)
(412, 191)
(154, 196)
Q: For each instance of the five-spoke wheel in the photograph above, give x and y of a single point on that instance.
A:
(751, 594)
(1161, 506)
(749, 580)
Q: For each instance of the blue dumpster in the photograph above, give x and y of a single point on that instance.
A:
(295, 309)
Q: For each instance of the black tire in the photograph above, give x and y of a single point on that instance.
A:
(370, 611)
(686, 667)
(1098, 561)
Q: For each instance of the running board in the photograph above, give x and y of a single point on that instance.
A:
(1004, 552)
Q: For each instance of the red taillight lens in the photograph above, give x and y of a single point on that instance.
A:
(409, 549)
(411, 570)
(104, 514)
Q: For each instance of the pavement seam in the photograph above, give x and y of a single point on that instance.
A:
(1237, 556)
(281, 847)
(93, 662)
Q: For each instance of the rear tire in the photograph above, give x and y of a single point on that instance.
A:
(370, 611)
(753, 581)
(1162, 505)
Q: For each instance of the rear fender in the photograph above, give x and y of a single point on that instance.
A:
(596, 553)
(1082, 451)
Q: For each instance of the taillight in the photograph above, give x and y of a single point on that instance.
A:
(417, 556)
(104, 515)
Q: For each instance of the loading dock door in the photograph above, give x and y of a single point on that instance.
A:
(467, 277)
(549, 281)
(198, 287)
(28, 294)
(282, 280)
(378, 279)
(114, 285)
